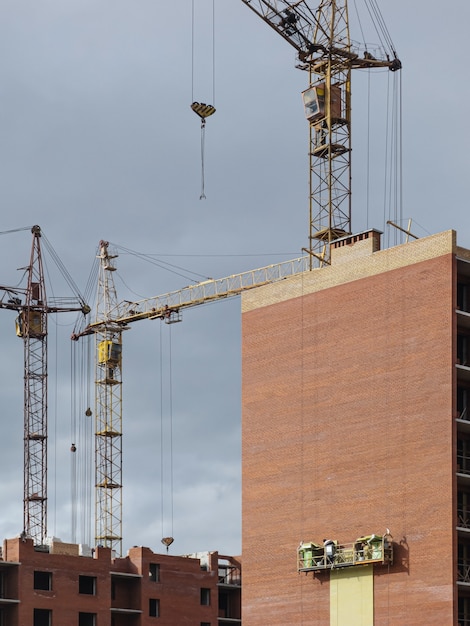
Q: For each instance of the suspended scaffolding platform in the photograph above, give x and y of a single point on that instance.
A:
(371, 549)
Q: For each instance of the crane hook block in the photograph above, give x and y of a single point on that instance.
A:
(202, 109)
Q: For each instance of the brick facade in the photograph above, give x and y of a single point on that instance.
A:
(58, 587)
(348, 429)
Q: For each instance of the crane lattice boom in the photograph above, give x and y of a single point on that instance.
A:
(167, 306)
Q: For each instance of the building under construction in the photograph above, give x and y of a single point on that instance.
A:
(356, 468)
(355, 463)
(355, 428)
(63, 584)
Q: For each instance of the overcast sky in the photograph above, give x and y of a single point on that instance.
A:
(98, 141)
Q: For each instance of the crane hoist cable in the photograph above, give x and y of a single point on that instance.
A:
(202, 109)
(164, 444)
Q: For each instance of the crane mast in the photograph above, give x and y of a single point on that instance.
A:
(325, 51)
(108, 410)
(32, 326)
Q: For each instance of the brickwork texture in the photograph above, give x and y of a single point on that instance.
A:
(347, 430)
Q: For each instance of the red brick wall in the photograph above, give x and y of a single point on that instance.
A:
(347, 430)
(178, 589)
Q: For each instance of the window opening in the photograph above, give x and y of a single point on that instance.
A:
(224, 604)
(154, 607)
(87, 585)
(43, 580)
(462, 297)
(42, 617)
(463, 455)
(87, 619)
(463, 509)
(205, 596)
(154, 572)
(462, 402)
(463, 349)
(464, 610)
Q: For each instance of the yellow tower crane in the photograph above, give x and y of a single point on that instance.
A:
(325, 50)
(111, 320)
(108, 406)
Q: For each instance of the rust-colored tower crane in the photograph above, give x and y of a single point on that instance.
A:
(31, 325)
(112, 318)
(325, 50)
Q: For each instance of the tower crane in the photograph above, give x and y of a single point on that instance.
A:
(112, 319)
(325, 50)
(31, 325)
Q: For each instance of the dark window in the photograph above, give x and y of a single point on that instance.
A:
(205, 596)
(42, 617)
(154, 607)
(43, 581)
(154, 572)
(87, 584)
(205, 624)
(463, 293)
(86, 619)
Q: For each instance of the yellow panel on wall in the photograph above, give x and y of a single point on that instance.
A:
(352, 596)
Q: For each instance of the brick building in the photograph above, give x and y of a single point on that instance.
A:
(356, 439)
(63, 585)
